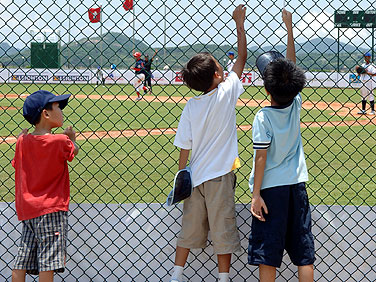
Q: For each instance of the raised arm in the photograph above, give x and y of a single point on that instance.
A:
(239, 16)
(155, 53)
(290, 52)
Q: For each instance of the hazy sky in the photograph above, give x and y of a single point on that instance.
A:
(187, 22)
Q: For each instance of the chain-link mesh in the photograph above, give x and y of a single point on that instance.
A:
(119, 227)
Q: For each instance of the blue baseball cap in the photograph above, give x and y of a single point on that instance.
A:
(265, 59)
(182, 188)
(230, 53)
(37, 101)
(367, 54)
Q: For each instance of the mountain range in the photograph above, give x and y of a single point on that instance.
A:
(117, 48)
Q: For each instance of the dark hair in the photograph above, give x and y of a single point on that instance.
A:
(283, 79)
(199, 72)
(47, 107)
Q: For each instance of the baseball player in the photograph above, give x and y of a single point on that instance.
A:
(138, 81)
(231, 61)
(367, 71)
(147, 71)
(100, 77)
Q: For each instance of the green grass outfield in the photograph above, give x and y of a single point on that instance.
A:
(315, 94)
(141, 169)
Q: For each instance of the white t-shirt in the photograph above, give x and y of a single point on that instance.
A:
(207, 126)
(370, 68)
(230, 64)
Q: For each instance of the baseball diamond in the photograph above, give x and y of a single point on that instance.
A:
(104, 157)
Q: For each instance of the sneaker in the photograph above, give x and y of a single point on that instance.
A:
(138, 98)
(362, 112)
(372, 113)
(174, 280)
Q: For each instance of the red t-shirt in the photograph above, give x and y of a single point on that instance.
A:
(42, 177)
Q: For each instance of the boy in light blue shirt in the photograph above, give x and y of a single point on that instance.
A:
(281, 216)
(277, 130)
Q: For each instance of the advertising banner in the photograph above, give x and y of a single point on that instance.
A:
(161, 77)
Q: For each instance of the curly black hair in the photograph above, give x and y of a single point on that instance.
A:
(283, 79)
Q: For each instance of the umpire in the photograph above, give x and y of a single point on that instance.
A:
(147, 71)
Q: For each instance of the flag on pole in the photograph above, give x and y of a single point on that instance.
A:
(95, 15)
(128, 5)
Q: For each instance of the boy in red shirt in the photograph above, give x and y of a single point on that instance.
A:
(42, 187)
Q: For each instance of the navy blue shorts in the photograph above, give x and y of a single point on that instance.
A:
(287, 226)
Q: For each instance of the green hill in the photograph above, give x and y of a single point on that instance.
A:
(317, 54)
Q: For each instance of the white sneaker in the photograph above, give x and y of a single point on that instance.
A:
(372, 113)
(362, 112)
(138, 98)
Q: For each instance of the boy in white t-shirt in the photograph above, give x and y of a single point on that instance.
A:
(368, 84)
(207, 127)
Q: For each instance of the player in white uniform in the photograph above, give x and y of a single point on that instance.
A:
(231, 62)
(368, 84)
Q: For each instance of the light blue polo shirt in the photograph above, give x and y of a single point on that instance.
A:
(277, 129)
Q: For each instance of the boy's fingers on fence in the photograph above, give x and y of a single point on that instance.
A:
(286, 17)
(23, 132)
(69, 131)
(239, 13)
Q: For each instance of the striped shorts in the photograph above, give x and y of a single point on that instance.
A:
(43, 243)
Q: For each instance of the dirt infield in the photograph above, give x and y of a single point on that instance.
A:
(347, 109)
(8, 108)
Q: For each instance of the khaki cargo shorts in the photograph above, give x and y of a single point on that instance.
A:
(211, 207)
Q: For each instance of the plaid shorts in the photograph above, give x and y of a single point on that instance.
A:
(43, 243)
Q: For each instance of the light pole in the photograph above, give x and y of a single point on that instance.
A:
(89, 62)
(164, 31)
(23, 61)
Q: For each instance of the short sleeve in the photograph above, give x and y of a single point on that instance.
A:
(233, 86)
(68, 149)
(261, 132)
(16, 153)
(298, 99)
(183, 138)
(372, 69)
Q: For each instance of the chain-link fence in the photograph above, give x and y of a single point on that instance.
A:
(119, 227)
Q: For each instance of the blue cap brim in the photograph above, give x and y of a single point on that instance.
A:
(265, 59)
(182, 188)
(62, 99)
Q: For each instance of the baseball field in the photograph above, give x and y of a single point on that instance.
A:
(127, 153)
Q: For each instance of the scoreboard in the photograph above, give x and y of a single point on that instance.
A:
(355, 19)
